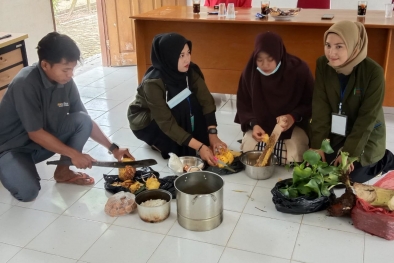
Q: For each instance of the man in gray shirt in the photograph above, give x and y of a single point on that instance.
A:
(42, 114)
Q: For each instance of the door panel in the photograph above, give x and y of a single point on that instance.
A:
(117, 29)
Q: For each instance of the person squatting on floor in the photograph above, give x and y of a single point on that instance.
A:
(42, 114)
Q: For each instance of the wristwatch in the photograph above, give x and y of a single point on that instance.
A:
(212, 131)
(112, 148)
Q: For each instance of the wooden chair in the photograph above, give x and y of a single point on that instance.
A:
(237, 3)
(317, 4)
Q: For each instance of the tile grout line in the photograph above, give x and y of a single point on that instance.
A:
(166, 235)
(113, 87)
(221, 255)
(199, 241)
(58, 216)
(298, 234)
(102, 77)
(257, 253)
(232, 232)
(6, 209)
(80, 258)
(41, 252)
(334, 229)
(108, 224)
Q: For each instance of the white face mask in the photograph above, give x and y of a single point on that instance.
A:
(268, 74)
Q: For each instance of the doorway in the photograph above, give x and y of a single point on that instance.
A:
(103, 29)
(78, 19)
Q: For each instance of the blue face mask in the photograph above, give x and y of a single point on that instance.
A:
(268, 74)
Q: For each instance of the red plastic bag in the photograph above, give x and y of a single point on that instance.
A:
(375, 220)
(387, 181)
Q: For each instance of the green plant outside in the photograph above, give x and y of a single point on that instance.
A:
(55, 4)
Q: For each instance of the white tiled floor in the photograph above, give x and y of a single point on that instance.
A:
(67, 223)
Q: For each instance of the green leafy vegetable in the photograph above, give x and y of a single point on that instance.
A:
(326, 147)
(313, 177)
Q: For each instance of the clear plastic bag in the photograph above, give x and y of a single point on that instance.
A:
(174, 163)
(120, 204)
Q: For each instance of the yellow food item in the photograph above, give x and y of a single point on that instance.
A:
(226, 156)
(229, 156)
(128, 172)
(267, 152)
(152, 183)
(223, 159)
(125, 184)
(135, 186)
(220, 165)
(267, 157)
(265, 138)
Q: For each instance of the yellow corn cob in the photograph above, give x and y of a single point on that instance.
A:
(266, 154)
(265, 138)
(266, 157)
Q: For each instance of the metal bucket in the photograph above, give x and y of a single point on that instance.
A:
(199, 200)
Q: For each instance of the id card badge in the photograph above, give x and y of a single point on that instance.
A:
(338, 124)
(192, 122)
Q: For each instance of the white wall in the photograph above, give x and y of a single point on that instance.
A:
(33, 17)
(335, 4)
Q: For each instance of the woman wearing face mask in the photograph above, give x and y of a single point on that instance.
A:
(275, 85)
(173, 110)
(347, 102)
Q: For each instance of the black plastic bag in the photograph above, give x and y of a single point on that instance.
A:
(166, 183)
(298, 205)
(109, 180)
(236, 165)
(144, 173)
(140, 174)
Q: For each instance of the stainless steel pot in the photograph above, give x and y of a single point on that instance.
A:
(193, 162)
(249, 159)
(154, 214)
(199, 200)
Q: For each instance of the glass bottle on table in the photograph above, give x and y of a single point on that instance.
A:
(196, 6)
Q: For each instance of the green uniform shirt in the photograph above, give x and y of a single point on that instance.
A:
(150, 104)
(362, 104)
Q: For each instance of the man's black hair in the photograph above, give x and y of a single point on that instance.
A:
(54, 47)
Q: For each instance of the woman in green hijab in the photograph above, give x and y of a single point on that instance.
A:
(347, 102)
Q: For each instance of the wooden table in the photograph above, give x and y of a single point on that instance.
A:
(222, 47)
(12, 58)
